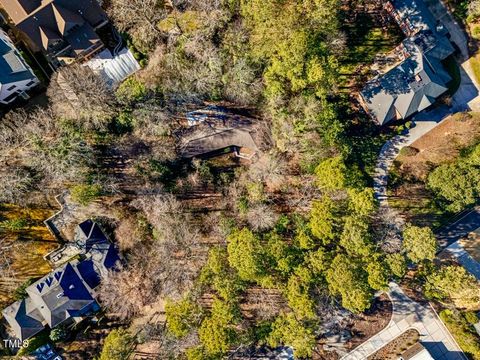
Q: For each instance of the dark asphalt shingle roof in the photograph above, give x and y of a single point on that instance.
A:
(420, 79)
(12, 66)
(54, 19)
(24, 318)
(59, 293)
(66, 292)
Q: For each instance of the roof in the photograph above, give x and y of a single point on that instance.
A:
(421, 78)
(209, 140)
(114, 68)
(416, 352)
(92, 240)
(89, 10)
(66, 292)
(61, 295)
(417, 14)
(12, 66)
(24, 318)
(71, 21)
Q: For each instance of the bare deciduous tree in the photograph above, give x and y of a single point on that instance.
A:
(140, 18)
(176, 252)
(126, 292)
(261, 217)
(16, 183)
(76, 92)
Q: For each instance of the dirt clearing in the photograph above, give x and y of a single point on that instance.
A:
(407, 190)
(442, 144)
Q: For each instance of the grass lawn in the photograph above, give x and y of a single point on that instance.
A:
(475, 63)
(407, 189)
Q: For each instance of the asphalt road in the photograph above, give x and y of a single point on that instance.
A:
(453, 232)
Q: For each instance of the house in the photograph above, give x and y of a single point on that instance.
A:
(215, 130)
(420, 78)
(16, 77)
(211, 141)
(64, 30)
(67, 294)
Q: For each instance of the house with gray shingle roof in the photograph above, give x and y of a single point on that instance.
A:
(66, 295)
(64, 30)
(16, 76)
(420, 79)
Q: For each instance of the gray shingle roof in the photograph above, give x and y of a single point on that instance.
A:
(73, 21)
(59, 294)
(420, 79)
(24, 318)
(66, 292)
(12, 66)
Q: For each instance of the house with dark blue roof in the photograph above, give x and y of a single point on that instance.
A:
(16, 76)
(66, 295)
(421, 78)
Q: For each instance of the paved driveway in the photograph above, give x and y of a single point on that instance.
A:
(409, 314)
(464, 258)
(449, 237)
(459, 229)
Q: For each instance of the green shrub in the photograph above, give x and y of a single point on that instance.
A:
(117, 345)
(400, 129)
(463, 332)
(84, 194)
(20, 292)
(476, 32)
(471, 317)
(243, 205)
(131, 90)
(408, 151)
(14, 224)
(124, 122)
(58, 334)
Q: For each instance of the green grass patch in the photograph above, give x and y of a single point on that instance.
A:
(475, 63)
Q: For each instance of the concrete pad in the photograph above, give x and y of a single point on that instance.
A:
(438, 335)
(432, 326)
(403, 325)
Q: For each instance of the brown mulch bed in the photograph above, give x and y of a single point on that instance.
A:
(441, 144)
(371, 322)
(394, 348)
(362, 327)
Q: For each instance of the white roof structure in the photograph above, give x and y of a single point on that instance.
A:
(114, 69)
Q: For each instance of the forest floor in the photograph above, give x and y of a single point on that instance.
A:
(371, 322)
(24, 247)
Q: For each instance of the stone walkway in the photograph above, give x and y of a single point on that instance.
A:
(409, 314)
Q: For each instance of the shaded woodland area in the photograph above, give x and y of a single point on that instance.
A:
(224, 254)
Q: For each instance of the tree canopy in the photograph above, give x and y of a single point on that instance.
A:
(420, 243)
